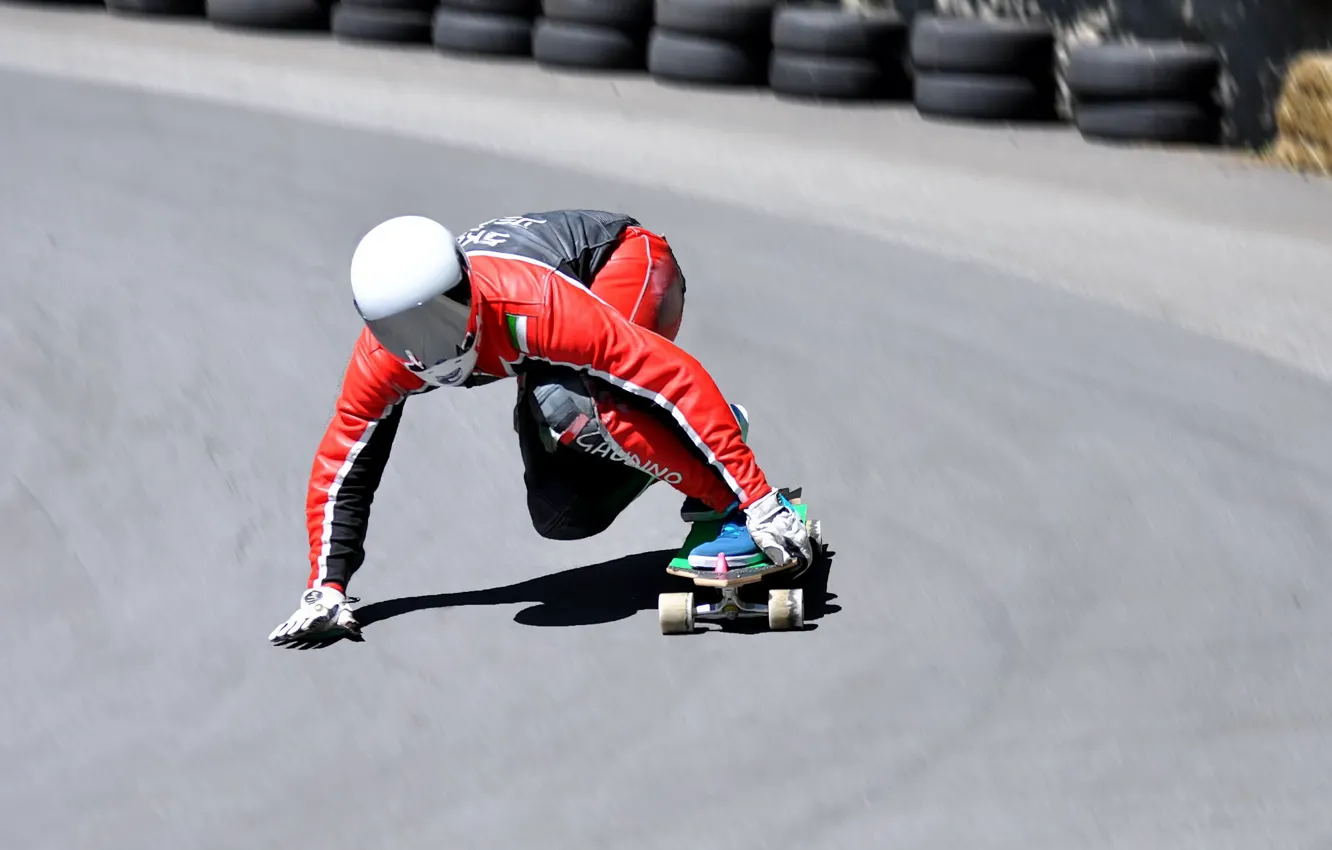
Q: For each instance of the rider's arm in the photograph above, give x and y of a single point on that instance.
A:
(351, 457)
(580, 330)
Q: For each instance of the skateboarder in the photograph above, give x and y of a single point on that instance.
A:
(580, 306)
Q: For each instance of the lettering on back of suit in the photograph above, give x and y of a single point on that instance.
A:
(597, 445)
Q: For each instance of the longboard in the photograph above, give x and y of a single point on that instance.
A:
(734, 576)
(785, 610)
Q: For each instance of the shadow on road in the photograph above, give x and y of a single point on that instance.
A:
(595, 594)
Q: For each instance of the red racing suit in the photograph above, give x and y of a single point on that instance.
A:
(539, 295)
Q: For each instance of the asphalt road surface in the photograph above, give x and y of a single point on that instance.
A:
(1077, 598)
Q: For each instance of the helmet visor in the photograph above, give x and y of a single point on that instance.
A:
(425, 335)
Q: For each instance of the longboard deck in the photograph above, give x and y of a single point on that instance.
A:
(702, 532)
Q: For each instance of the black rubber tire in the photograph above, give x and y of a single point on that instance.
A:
(395, 26)
(398, 5)
(1143, 71)
(165, 8)
(877, 34)
(519, 8)
(983, 97)
(806, 75)
(731, 20)
(633, 16)
(683, 58)
(976, 46)
(480, 34)
(309, 15)
(1163, 121)
(564, 45)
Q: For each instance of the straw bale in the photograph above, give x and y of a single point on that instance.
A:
(1304, 115)
(1302, 156)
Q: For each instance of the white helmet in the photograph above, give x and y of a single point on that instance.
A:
(410, 284)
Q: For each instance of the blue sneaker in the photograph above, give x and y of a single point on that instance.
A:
(733, 540)
(695, 511)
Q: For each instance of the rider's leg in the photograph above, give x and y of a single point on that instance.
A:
(644, 282)
(581, 425)
(572, 494)
(694, 510)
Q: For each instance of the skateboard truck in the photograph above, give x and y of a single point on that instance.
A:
(679, 612)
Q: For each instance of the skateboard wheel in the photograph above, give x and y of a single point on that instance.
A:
(786, 609)
(675, 612)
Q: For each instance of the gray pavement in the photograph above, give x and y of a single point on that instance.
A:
(1076, 600)
(1208, 241)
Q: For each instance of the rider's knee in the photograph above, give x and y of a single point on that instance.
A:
(566, 525)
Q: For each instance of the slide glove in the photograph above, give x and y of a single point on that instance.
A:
(324, 614)
(779, 531)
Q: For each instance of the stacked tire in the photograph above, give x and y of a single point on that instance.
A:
(484, 27)
(157, 8)
(836, 53)
(983, 70)
(383, 21)
(711, 42)
(606, 35)
(309, 15)
(1162, 92)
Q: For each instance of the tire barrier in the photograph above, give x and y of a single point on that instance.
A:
(711, 42)
(268, 14)
(1304, 115)
(1163, 92)
(983, 70)
(484, 27)
(956, 68)
(834, 53)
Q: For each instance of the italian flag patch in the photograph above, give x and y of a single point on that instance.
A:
(518, 332)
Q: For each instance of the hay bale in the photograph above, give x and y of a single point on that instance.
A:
(1302, 156)
(1304, 115)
